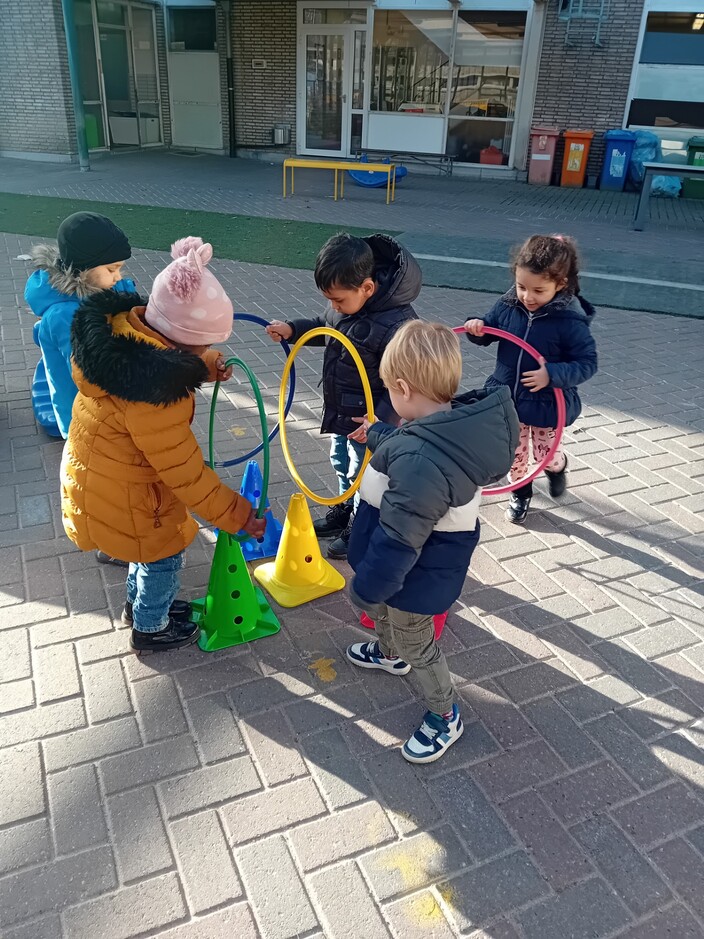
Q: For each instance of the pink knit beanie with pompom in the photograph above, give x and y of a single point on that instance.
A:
(188, 304)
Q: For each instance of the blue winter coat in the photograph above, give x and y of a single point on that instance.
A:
(561, 332)
(54, 295)
(417, 522)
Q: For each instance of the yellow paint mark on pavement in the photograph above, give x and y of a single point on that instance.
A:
(323, 668)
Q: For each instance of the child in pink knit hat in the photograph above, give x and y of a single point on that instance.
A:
(132, 467)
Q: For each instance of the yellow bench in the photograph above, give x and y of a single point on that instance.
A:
(341, 167)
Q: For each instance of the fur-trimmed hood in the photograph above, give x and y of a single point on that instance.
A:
(117, 354)
(51, 281)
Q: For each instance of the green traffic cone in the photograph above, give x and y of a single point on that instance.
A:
(234, 610)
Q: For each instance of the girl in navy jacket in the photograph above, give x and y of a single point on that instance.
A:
(546, 310)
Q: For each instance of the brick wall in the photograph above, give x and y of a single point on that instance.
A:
(36, 111)
(581, 85)
(264, 97)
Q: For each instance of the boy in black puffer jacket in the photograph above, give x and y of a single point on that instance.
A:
(371, 284)
(417, 523)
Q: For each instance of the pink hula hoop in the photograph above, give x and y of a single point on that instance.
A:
(561, 414)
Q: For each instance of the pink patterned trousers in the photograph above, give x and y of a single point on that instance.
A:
(542, 439)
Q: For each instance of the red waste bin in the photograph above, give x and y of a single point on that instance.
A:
(543, 141)
(574, 162)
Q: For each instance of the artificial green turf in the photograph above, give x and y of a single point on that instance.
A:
(257, 240)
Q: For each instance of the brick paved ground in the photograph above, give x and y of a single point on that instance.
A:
(259, 793)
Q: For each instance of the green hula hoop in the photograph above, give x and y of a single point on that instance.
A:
(238, 363)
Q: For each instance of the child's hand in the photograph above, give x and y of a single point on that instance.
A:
(474, 327)
(255, 526)
(538, 379)
(278, 330)
(224, 374)
(360, 435)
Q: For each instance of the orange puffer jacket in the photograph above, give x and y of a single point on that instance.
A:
(132, 466)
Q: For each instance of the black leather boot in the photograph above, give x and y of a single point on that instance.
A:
(518, 504)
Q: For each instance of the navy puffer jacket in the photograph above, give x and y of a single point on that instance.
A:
(561, 332)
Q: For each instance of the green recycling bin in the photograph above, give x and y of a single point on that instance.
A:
(694, 188)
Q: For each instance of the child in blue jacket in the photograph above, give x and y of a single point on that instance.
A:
(545, 309)
(90, 256)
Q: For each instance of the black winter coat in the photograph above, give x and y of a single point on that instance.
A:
(561, 332)
(398, 279)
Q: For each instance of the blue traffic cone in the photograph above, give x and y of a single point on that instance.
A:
(251, 489)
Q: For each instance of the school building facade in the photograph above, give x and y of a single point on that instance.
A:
(459, 79)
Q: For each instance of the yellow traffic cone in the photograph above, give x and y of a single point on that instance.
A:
(299, 573)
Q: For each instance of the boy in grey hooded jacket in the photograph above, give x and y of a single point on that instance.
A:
(417, 523)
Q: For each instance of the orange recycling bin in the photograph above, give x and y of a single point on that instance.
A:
(574, 162)
(543, 141)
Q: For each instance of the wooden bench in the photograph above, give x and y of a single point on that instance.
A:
(340, 167)
(651, 171)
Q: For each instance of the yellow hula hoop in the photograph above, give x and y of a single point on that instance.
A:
(368, 400)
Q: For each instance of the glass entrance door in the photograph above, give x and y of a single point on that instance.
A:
(327, 105)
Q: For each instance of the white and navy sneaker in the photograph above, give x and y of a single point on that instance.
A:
(369, 655)
(433, 737)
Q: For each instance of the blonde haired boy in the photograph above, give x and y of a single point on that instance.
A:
(417, 524)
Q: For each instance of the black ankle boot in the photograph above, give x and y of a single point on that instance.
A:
(174, 635)
(519, 503)
(338, 549)
(557, 482)
(334, 522)
(179, 609)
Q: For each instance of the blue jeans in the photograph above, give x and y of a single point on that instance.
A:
(346, 457)
(151, 589)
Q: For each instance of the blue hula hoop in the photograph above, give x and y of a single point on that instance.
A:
(257, 320)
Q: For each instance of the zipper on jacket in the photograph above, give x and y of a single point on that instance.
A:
(520, 356)
(156, 499)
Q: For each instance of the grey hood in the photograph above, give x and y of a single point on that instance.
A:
(64, 280)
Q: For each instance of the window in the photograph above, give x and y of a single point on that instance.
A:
(332, 17)
(674, 39)
(192, 30)
(647, 112)
(411, 61)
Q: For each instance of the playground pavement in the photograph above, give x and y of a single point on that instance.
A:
(259, 793)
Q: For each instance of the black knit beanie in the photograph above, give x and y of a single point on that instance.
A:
(88, 240)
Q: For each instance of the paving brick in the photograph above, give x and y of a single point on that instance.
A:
(480, 827)
(92, 743)
(534, 681)
(26, 614)
(481, 662)
(629, 753)
(148, 764)
(324, 711)
(265, 694)
(496, 887)
(659, 814)
(48, 927)
(662, 639)
(138, 836)
(56, 673)
(408, 805)
(216, 733)
(211, 785)
(633, 669)
(15, 663)
(103, 646)
(651, 717)
(552, 849)
(272, 810)
(675, 921)
(418, 917)
(24, 845)
(339, 773)
(339, 890)
(282, 913)
(220, 674)
(504, 721)
(50, 631)
(570, 743)
(57, 885)
(606, 625)
(16, 696)
(514, 770)
(234, 922)
(21, 783)
(76, 809)
(598, 697)
(586, 791)
(684, 868)
(627, 871)
(682, 755)
(205, 863)
(132, 911)
(338, 836)
(105, 691)
(573, 651)
(415, 862)
(272, 743)
(581, 912)
(159, 709)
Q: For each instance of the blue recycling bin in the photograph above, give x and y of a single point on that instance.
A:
(619, 147)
